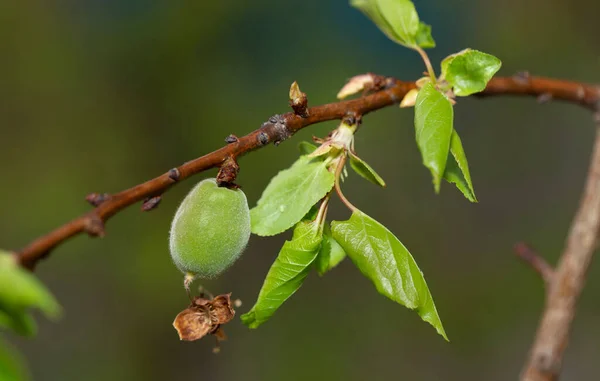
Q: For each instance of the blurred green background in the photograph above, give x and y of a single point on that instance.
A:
(99, 95)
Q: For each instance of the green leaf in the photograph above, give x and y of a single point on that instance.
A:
(397, 19)
(12, 367)
(365, 170)
(287, 273)
(290, 195)
(433, 125)
(424, 38)
(306, 148)
(20, 290)
(383, 259)
(331, 253)
(19, 321)
(402, 17)
(457, 169)
(469, 71)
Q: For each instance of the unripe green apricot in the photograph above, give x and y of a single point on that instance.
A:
(210, 230)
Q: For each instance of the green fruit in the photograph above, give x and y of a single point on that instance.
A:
(210, 230)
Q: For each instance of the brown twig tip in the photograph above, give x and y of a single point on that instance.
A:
(151, 203)
(94, 226)
(531, 257)
(96, 199)
(298, 101)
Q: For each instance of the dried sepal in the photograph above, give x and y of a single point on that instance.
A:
(204, 316)
(221, 310)
(192, 324)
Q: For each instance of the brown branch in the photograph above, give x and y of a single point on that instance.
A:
(545, 359)
(277, 129)
(539, 264)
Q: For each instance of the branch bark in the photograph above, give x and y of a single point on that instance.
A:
(545, 360)
(533, 259)
(277, 129)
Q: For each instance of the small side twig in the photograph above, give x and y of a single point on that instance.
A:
(538, 263)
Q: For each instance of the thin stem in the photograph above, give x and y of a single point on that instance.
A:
(323, 211)
(537, 262)
(427, 62)
(338, 189)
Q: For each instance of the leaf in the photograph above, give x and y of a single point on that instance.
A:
(383, 259)
(469, 71)
(306, 148)
(433, 126)
(365, 170)
(397, 19)
(402, 17)
(20, 290)
(457, 169)
(322, 150)
(287, 273)
(331, 253)
(424, 38)
(290, 195)
(12, 367)
(20, 322)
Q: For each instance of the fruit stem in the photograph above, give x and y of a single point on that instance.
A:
(188, 278)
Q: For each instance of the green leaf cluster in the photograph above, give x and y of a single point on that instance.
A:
(439, 143)
(315, 244)
(20, 291)
(463, 74)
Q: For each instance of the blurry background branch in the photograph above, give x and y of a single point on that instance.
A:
(566, 284)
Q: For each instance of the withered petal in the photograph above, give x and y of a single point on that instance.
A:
(192, 324)
(222, 310)
(219, 333)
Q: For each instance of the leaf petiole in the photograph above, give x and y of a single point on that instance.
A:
(320, 219)
(427, 62)
(338, 189)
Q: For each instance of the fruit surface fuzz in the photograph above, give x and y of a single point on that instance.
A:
(210, 229)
